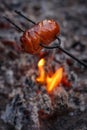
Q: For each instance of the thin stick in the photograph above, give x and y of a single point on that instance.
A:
(19, 13)
(9, 20)
(58, 40)
(66, 52)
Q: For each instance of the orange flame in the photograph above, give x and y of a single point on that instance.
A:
(41, 77)
(51, 82)
(55, 80)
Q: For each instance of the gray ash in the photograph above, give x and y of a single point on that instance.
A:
(32, 104)
(23, 109)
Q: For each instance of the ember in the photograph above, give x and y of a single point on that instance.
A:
(50, 81)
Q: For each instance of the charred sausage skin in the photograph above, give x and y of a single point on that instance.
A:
(43, 32)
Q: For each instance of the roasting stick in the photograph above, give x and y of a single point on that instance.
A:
(19, 13)
(17, 27)
(66, 52)
(69, 54)
(48, 47)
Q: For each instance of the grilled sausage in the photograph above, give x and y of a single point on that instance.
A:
(43, 32)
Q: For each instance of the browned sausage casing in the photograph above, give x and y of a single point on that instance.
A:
(43, 32)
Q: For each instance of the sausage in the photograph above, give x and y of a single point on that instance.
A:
(43, 32)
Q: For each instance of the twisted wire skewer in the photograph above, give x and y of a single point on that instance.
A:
(47, 47)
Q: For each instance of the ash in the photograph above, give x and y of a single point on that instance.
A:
(24, 108)
(33, 103)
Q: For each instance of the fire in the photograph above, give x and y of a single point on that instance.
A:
(41, 77)
(54, 80)
(50, 81)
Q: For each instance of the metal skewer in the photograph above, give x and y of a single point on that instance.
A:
(19, 13)
(48, 47)
(66, 52)
(17, 27)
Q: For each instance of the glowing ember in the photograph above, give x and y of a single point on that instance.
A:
(50, 81)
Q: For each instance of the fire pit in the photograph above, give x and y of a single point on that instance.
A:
(48, 91)
(43, 95)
